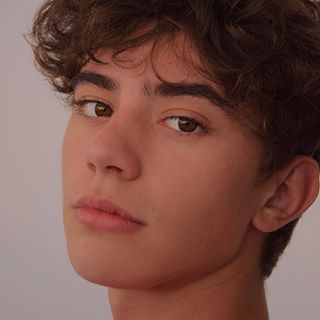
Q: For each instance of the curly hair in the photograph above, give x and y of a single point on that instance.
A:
(264, 53)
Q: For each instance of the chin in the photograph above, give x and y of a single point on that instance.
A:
(111, 278)
(116, 274)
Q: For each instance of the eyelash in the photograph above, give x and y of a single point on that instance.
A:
(79, 105)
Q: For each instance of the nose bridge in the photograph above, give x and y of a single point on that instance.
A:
(114, 148)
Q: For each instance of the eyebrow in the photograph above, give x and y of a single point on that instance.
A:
(163, 89)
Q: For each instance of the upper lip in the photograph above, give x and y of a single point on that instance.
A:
(102, 203)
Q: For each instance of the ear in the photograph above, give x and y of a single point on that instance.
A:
(290, 193)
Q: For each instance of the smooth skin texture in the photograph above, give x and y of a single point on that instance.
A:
(205, 217)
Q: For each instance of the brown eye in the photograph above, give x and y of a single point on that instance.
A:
(91, 108)
(185, 126)
(101, 109)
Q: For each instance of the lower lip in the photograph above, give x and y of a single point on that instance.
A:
(105, 221)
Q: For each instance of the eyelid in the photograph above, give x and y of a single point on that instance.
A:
(84, 97)
(193, 134)
(81, 102)
(79, 105)
(190, 113)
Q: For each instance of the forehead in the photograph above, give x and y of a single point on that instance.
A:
(170, 65)
(173, 60)
(161, 69)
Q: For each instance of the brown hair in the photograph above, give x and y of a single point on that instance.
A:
(264, 53)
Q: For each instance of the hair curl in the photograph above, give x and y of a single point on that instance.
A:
(264, 53)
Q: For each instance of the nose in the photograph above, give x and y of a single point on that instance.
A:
(113, 151)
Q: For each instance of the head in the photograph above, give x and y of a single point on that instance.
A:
(254, 170)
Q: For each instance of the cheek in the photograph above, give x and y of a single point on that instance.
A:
(203, 204)
(197, 206)
(218, 183)
(73, 159)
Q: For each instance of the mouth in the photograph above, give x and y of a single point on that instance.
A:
(104, 205)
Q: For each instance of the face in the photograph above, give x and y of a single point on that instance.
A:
(175, 161)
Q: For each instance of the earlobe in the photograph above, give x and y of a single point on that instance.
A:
(296, 189)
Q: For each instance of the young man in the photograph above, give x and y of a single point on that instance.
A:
(193, 146)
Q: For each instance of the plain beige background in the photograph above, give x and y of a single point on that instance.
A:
(36, 279)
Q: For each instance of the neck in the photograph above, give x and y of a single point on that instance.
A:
(235, 292)
(238, 297)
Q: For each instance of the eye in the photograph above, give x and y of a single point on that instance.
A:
(93, 108)
(186, 126)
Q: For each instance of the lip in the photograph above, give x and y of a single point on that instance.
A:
(97, 212)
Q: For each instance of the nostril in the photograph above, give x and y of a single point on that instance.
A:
(91, 166)
(113, 168)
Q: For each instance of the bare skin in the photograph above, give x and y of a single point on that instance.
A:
(235, 292)
(205, 216)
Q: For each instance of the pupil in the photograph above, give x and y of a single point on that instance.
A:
(101, 110)
(187, 125)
